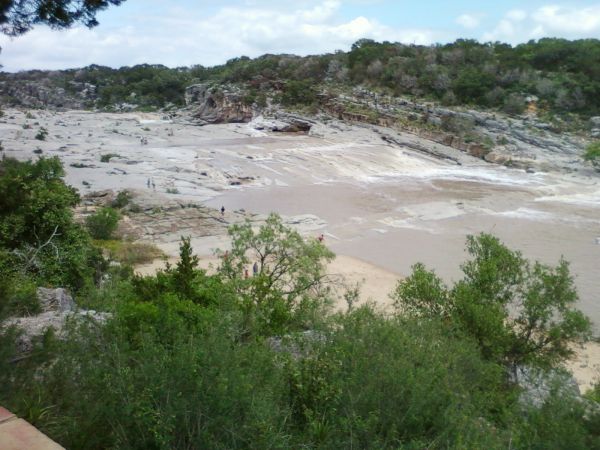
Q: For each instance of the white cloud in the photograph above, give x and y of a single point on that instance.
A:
(469, 21)
(569, 20)
(185, 38)
(516, 15)
(547, 21)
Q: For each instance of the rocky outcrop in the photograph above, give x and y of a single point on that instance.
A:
(595, 127)
(524, 141)
(58, 308)
(537, 386)
(216, 104)
(44, 93)
(281, 122)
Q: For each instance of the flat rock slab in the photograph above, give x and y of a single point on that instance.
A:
(17, 434)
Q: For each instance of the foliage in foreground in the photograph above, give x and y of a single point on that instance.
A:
(192, 360)
(40, 244)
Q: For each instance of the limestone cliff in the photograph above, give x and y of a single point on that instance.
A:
(216, 104)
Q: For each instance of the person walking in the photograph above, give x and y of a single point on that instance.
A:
(222, 210)
(255, 269)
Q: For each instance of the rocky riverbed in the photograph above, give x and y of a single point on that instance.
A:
(383, 198)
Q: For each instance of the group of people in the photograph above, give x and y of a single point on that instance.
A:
(254, 271)
(150, 183)
(255, 268)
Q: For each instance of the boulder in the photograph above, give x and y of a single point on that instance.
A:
(55, 300)
(595, 122)
(537, 385)
(58, 308)
(282, 124)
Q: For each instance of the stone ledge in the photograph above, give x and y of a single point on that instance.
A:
(17, 434)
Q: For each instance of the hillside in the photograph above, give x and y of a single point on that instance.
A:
(561, 76)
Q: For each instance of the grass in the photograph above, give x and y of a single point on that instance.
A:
(131, 253)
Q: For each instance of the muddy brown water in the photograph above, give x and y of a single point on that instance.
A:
(395, 223)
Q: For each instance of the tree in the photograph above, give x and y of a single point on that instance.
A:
(38, 236)
(592, 154)
(19, 16)
(517, 312)
(186, 269)
(34, 202)
(291, 270)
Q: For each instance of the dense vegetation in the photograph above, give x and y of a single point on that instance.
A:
(192, 360)
(563, 75)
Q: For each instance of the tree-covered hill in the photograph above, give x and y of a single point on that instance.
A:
(562, 76)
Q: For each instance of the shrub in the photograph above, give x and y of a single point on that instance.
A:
(108, 156)
(41, 134)
(20, 297)
(592, 154)
(122, 199)
(514, 104)
(103, 223)
(131, 253)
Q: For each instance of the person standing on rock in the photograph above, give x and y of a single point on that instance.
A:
(222, 210)
(255, 269)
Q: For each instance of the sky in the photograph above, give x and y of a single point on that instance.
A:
(188, 32)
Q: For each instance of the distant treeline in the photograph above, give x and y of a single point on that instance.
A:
(564, 75)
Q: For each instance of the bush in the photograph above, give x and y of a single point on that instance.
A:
(592, 154)
(514, 104)
(108, 156)
(19, 297)
(131, 253)
(103, 223)
(41, 134)
(122, 199)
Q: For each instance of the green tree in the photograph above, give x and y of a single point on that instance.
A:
(38, 236)
(19, 16)
(35, 203)
(291, 270)
(518, 312)
(186, 268)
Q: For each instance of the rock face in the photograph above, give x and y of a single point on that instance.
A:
(537, 386)
(223, 104)
(58, 308)
(522, 142)
(55, 300)
(43, 93)
(283, 123)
